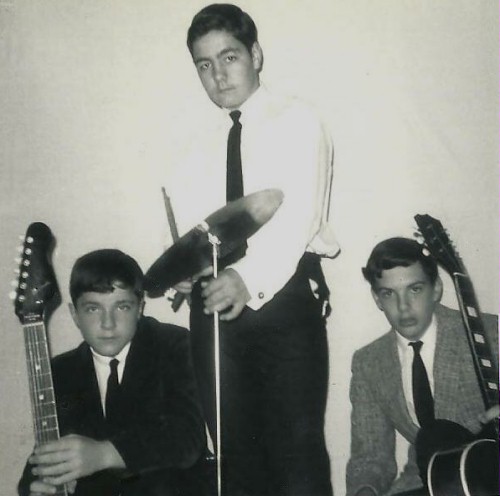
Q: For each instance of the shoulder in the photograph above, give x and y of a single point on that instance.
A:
(372, 352)
(292, 110)
(71, 358)
(158, 333)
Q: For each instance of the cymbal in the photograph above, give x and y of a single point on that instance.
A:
(232, 224)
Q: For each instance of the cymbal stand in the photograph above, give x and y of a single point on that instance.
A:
(215, 242)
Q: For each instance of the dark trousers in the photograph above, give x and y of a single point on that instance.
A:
(274, 380)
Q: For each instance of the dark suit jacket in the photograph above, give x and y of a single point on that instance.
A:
(379, 406)
(161, 429)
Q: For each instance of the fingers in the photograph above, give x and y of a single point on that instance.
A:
(235, 310)
(226, 292)
(38, 488)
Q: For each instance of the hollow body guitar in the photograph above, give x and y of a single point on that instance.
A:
(452, 461)
(37, 295)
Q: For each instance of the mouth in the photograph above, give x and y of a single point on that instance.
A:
(408, 322)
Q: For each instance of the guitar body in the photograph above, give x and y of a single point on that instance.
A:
(453, 462)
(471, 470)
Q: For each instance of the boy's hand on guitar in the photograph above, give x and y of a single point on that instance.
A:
(40, 488)
(491, 414)
(73, 457)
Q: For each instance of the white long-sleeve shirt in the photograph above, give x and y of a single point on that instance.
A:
(283, 146)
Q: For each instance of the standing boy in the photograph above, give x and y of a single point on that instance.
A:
(273, 299)
(126, 397)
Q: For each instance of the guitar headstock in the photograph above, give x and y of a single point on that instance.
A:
(439, 244)
(37, 292)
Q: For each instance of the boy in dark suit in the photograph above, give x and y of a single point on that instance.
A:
(406, 286)
(126, 397)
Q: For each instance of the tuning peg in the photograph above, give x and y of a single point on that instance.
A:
(28, 251)
(14, 283)
(26, 263)
(24, 275)
(426, 252)
(20, 248)
(17, 260)
(29, 239)
(13, 295)
(23, 285)
(17, 271)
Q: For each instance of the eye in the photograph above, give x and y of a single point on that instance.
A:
(385, 293)
(91, 309)
(231, 58)
(124, 307)
(203, 66)
(417, 289)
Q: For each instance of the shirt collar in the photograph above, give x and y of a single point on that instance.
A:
(252, 105)
(429, 337)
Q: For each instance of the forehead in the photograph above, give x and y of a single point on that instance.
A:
(215, 43)
(401, 277)
(117, 295)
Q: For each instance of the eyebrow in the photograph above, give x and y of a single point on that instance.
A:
(95, 302)
(220, 54)
(381, 288)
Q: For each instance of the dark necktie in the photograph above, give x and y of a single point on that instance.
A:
(234, 176)
(422, 395)
(113, 393)
(234, 179)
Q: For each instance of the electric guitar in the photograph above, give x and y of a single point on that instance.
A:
(452, 461)
(36, 296)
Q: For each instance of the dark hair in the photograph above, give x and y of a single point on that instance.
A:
(398, 252)
(101, 271)
(223, 17)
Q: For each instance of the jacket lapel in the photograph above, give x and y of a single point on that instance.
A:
(447, 366)
(391, 384)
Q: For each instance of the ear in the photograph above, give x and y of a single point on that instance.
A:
(257, 56)
(376, 299)
(142, 303)
(74, 315)
(438, 290)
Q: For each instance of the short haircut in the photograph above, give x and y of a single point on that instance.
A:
(223, 17)
(398, 252)
(101, 271)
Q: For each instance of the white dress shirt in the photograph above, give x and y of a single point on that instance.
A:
(103, 370)
(406, 354)
(283, 146)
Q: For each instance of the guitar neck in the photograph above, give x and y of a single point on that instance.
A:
(43, 400)
(43, 403)
(486, 369)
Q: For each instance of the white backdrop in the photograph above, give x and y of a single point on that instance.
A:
(96, 96)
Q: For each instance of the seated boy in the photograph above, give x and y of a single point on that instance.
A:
(126, 428)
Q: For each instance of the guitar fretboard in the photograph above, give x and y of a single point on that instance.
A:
(484, 363)
(43, 403)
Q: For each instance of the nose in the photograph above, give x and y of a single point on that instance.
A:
(108, 320)
(219, 72)
(403, 302)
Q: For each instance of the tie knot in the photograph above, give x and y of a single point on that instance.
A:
(114, 365)
(235, 116)
(417, 346)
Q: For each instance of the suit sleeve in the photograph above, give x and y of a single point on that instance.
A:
(169, 430)
(372, 462)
